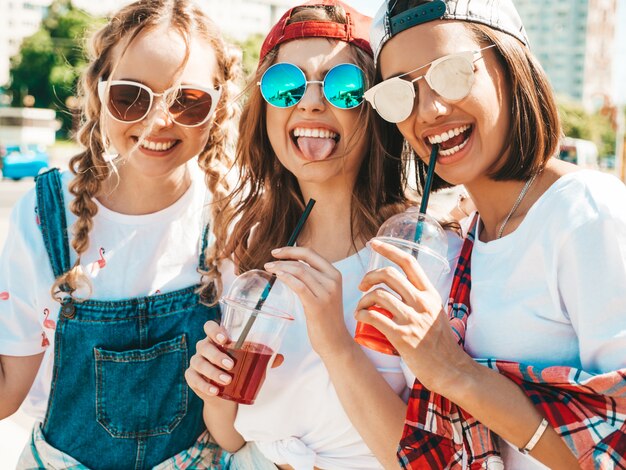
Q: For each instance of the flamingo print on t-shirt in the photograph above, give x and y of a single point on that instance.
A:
(99, 264)
(47, 323)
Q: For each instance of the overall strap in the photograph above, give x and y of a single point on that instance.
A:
(53, 224)
(206, 233)
(207, 294)
(204, 242)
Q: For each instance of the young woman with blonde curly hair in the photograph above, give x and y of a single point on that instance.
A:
(122, 240)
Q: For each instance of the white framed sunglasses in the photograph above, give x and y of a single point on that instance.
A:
(450, 76)
(128, 102)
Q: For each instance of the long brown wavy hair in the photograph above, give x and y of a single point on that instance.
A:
(268, 200)
(90, 166)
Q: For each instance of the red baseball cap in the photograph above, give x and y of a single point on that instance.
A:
(355, 31)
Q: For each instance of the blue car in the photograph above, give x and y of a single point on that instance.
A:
(23, 161)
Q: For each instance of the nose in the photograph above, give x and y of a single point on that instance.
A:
(313, 99)
(430, 106)
(159, 116)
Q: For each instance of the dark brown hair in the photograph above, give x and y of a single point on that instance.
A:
(535, 125)
(267, 202)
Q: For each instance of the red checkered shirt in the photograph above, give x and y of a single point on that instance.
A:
(588, 411)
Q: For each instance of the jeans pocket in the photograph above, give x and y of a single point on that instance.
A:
(142, 392)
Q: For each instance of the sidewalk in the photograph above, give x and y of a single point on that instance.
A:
(14, 433)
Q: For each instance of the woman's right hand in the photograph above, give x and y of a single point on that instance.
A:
(209, 371)
(209, 367)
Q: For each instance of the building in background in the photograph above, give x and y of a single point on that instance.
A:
(242, 18)
(575, 43)
(18, 19)
(238, 18)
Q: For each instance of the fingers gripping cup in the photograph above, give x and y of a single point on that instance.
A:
(423, 238)
(253, 344)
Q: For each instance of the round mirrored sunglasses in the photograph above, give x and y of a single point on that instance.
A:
(283, 85)
(450, 76)
(128, 102)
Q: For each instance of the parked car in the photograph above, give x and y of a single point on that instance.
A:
(20, 161)
(583, 153)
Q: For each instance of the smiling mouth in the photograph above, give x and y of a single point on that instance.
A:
(452, 141)
(161, 146)
(315, 144)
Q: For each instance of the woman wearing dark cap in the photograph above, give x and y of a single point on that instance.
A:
(541, 317)
(331, 404)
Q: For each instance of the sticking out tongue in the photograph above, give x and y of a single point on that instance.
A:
(316, 148)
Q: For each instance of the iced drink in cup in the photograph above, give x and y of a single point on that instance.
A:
(255, 354)
(423, 238)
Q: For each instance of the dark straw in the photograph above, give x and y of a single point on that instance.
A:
(427, 187)
(266, 292)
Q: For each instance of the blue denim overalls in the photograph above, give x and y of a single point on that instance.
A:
(119, 399)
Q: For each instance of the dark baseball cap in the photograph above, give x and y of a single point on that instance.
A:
(498, 14)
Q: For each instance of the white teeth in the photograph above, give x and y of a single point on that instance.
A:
(318, 132)
(445, 136)
(157, 146)
(454, 149)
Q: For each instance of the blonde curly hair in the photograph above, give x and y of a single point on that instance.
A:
(92, 167)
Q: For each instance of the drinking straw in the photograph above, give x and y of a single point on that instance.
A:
(426, 193)
(270, 283)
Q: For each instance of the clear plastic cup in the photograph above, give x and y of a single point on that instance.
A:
(258, 349)
(423, 238)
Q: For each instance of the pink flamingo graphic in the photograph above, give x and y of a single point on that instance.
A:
(37, 217)
(4, 295)
(44, 341)
(47, 323)
(100, 263)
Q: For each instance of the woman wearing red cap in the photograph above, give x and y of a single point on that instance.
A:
(305, 134)
(535, 361)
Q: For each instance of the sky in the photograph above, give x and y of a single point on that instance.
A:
(368, 7)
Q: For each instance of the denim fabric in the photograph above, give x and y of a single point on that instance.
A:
(119, 399)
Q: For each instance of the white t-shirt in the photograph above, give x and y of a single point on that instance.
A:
(297, 417)
(553, 292)
(143, 255)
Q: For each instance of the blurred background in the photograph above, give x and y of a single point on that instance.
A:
(580, 43)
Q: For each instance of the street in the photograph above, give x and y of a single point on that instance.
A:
(10, 192)
(14, 431)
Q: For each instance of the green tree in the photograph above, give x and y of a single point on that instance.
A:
(50, 61)
(597, 127)
(250, 49)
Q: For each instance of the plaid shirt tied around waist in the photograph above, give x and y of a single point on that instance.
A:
(588, 411)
